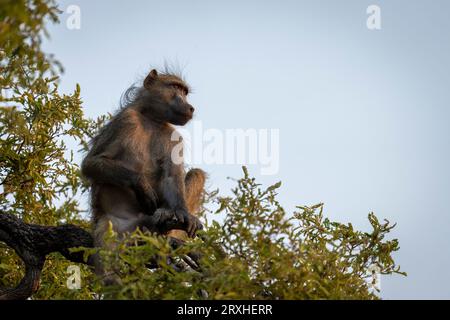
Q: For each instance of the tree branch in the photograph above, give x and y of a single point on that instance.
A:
(33, 243)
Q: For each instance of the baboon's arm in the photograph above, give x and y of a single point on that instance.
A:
(102, 169)
(194, 191)
(105, 170)
(173, 192)
(173, 187)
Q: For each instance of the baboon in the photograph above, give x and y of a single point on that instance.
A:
(130, 167)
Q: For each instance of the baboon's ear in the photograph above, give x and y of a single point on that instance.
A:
(151, 77)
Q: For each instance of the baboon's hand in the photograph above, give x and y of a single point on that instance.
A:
(179, 216)
(191, 223)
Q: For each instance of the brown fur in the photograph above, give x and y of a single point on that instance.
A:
(195, 185)
(129, 163)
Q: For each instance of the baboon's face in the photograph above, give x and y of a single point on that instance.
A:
(169, 94)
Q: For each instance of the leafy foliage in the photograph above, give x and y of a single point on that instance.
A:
(257, 252)
(38, 176)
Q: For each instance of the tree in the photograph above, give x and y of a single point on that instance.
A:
(39, 180)
(258, 252)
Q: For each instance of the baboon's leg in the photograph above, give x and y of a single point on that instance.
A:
(107, 276)
(194, 192)
(108, 272)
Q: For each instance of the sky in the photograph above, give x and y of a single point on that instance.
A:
(363, 115)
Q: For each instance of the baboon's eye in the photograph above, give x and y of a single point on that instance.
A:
(180, 88)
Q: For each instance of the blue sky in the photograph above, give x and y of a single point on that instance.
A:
(363, 115)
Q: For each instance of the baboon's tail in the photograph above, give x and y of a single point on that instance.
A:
(195, 186)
